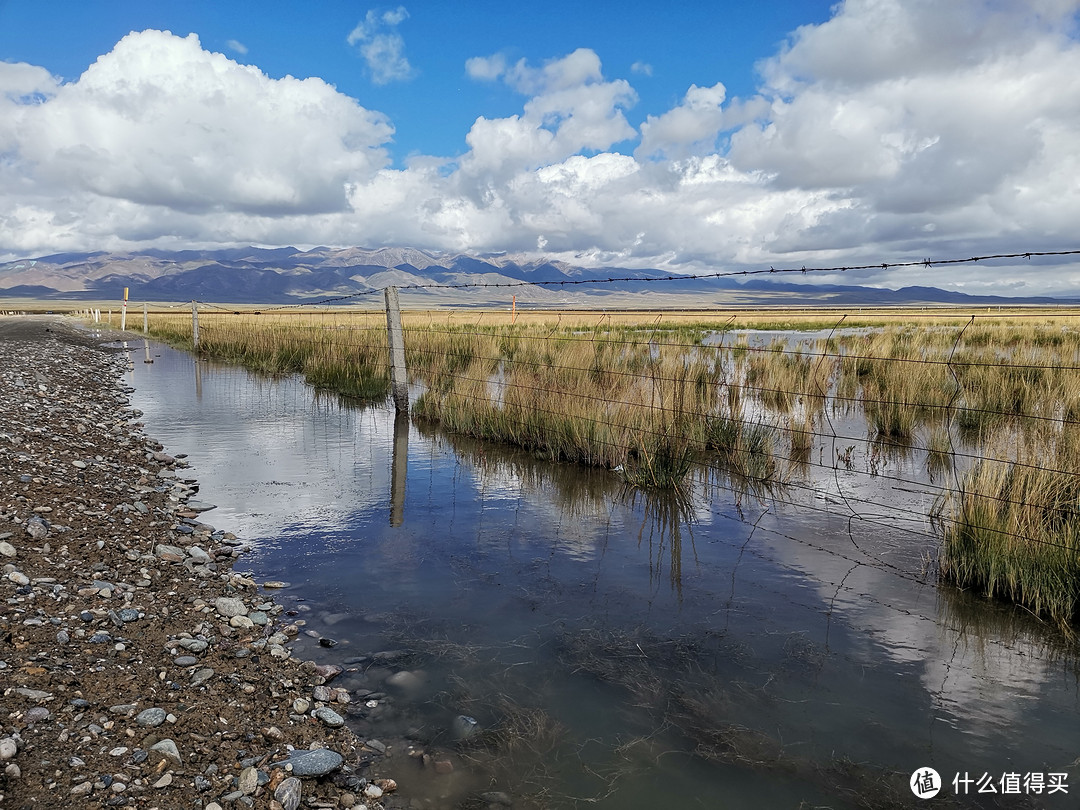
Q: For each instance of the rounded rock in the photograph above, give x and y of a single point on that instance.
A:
(329, 717)
(288, 793)
(8, 749)
(150, 718)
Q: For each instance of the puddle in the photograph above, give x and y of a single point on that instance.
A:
(614, 649)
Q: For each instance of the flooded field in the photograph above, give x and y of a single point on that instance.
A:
(569, 642)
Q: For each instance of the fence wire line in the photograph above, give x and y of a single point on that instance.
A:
(760, 390)
(916, 516)
(767, 484)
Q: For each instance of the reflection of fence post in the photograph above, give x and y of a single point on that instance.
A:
(195, 324)
(399, 385)
(399, 468)
(145, 320)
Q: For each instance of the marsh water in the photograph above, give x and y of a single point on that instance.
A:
(617, 649)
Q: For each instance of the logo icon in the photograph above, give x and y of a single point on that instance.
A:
(925, 783)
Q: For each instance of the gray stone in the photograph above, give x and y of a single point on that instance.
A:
(464, 727)
(163, 550)
(195, 645)
(8, 749)
(258, 617)
(6, 549)
(288, 793)
(248, 780)
(33, 694)
(329, 717)
(19, 578)
(186, 660)
(228, 606)
(150, 718)
(37, 528)
(129, 615)
(198, 554)
(168, 749)
(202, 676)
(36, 715)
(319, 762)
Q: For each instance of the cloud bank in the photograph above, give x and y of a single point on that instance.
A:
(893, 129)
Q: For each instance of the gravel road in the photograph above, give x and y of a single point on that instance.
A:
(137, 669)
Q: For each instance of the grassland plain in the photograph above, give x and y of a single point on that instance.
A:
(990, 401)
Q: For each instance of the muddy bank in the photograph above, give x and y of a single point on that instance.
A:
(137, 668)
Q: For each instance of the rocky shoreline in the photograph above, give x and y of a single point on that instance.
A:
(137, 669)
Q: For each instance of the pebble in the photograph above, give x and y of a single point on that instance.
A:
(288, 793)
(373, 792)
(202, 676)
(301, 705)
(37, 714)
(329, 717)
(248, 780)
(168, 749)
(37, 528)
(164, 781)
(150, 718)
(228, 606)
(18, 578)
(328, 671)
(7, 550)
(319, 762)
(464, 727)
(8, 749)
(185, 660)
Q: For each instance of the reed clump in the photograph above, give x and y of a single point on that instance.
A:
(1012, 527)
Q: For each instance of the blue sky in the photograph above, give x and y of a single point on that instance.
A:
(661, 51)
(686, 137)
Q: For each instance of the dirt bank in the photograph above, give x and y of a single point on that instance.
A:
(136, 668)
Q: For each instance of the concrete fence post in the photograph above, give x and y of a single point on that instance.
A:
(399, 384)
(145, 320)
(194, 324)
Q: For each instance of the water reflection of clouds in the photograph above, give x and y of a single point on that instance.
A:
(980, 672)
(273, 441)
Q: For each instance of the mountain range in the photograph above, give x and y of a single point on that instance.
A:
(287, 275)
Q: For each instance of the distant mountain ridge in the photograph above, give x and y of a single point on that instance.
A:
(253, 275)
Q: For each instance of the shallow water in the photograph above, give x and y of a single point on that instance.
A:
(621, 651)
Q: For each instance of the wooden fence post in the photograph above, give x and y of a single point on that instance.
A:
(145, 320)
(123, 312)
(399, 384)
(195, 324)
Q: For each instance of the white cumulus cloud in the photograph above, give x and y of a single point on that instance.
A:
(895, 129)
(382, 47)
